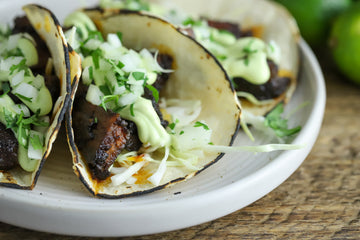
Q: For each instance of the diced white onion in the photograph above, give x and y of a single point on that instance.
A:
(22, 108)
(94, 95)
(131, 61)
(92, 44)
(6, 64)
(32, 152)
(85, 76)
(127, 99)
(26, 90)
(17, 78)
(114, 40)
(12, 41)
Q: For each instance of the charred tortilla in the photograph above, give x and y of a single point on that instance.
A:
(196, 77)
(44, 27)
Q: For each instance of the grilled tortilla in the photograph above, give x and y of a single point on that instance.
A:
(38, 127)
(195, 79)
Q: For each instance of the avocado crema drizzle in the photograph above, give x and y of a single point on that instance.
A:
(116, 78)
(27, 116)
(244, 57)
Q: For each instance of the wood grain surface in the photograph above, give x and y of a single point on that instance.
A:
(321, 200)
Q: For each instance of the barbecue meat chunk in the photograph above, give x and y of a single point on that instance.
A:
(101, 135)
(269, 90)
(8, 149)
(230, 27)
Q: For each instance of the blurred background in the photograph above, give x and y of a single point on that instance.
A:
(332, 29)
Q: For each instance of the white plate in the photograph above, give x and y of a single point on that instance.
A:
(60, 204)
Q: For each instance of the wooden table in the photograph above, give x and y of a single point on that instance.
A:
(321, 200)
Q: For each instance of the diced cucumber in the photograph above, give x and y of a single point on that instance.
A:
(43, 101)
(29, 50)
(25, 162)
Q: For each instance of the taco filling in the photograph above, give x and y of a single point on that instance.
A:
(127, 131)
(26, 100)
(252, 63)
(30, 97)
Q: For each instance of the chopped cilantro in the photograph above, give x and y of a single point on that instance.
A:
(21, 125)
(138, 75)
(91, 72)
(191, 21)
(275, 121)
(107, 99)
(96, 58)
(154, 91)
(95, 35)
(132, 110)
(119, 35)
(23, 97)
(5, 88)
(36, 142)
(20, 66)
(200, 124)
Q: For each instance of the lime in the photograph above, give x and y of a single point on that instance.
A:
(345, 42)
(314, 17)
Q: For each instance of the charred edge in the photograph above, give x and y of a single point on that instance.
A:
(53, 135)
(15, 186)
(65, 47)
(135, 194)
(56, 21)
(68, 69)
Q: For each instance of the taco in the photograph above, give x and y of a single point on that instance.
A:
(150, 98)
(256, 42)
(35, 86)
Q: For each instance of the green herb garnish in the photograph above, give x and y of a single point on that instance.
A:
(154, 91)
(203, 125)
(36, 142)
(275, 121)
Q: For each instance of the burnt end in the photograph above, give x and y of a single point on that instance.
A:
(133, 143)
(230, 27)
(101, 135)
(148, 95)
(8, 149)
(165, 61)
(111, 145)
(269, 90)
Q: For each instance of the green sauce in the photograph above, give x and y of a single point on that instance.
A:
(150, 130)
(247, 58)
